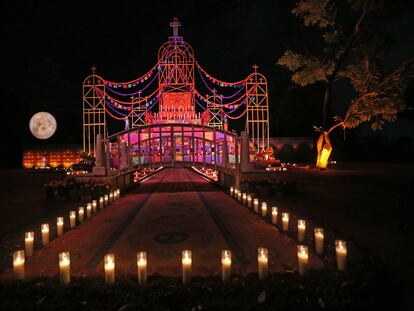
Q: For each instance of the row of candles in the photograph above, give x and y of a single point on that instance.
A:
(91, 208)
(142, 263)
(302, 250)
(263, 269)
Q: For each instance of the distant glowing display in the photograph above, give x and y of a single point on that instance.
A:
(53, 159)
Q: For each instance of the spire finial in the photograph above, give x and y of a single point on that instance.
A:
(175, 24)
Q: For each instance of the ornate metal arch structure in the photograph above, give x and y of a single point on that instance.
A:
(141, 102)
(94, 119)
(214, 106)
(257, 120)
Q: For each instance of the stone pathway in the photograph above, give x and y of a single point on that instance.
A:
(173, 210)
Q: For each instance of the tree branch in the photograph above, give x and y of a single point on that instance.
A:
(335, 126)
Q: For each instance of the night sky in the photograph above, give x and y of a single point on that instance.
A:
(48, 48)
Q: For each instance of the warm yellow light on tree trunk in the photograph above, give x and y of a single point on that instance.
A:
(324, 150)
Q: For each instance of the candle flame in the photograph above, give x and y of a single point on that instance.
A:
(319, 232)
(302, 249)
(341, 244)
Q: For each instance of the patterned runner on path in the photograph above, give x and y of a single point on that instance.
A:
(173, 210)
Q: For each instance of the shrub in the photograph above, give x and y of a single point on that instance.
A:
(76, 189)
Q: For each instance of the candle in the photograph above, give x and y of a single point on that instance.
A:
(244, 198)
(94, 206)
(64, 267)
(303, 258)
(72, 219)
(111, 197)
(231, 191)
(81, 213)
(59, 226)
(28, 243)
(45, 234)
(106, 199)
(262, 261)
(226, 265)
(274, 215)
(256, 205)
(264, 209)
(319, 236)
(239, 196)
(186, 262)
(285, 221)
(142, 267)
(249, 201)
(118, 193)
(341, 254)
(109, 261)
(235, 193)
(301, 230)
(18, 264)
(101, 202)
(88, 210)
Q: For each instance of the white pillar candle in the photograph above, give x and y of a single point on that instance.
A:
(244, 198)
(319, 236)
(256, 205)
(109, 261)
(341, 251)
(101, 202)
(88, 210)
(72, 219)
(186, 262)
(231, 191)
(142, 267)
(249, 201)
(18, 264)
(45, 234)
(106, 199)
(274, 215)
(285, 221)
(235, 193)
(118, 193)
(301, 230)
(303, 258)
(239, 196)
(64, 267)
(263, 263)
(226, 265)
(59, 226)
(111, 197)
(94, 206)
(28, 243)
(264, 209)
(81, 213)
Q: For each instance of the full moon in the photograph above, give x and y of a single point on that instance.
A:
(42, 125)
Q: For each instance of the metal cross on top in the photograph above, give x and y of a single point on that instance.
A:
(175, 24)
